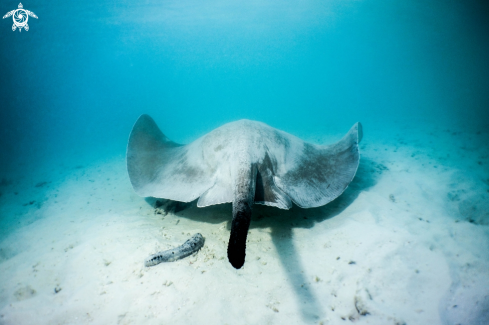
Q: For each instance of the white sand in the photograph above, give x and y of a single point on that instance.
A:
(395, 248)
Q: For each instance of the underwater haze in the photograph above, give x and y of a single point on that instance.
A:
(83, 73)
(407, 242)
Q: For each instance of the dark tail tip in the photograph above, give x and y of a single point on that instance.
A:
(237, 239)
(236, 256)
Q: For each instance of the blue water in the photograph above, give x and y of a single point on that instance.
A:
(414, 72)
(85, 71)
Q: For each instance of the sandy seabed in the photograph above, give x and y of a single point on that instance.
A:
(407, 243)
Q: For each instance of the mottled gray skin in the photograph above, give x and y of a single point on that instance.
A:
(188, 248)
(243, 163)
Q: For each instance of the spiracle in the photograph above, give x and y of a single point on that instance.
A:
(20, 16)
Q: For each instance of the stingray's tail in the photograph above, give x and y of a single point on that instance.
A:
(244, 193)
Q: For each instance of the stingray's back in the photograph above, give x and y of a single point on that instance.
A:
(288, 169)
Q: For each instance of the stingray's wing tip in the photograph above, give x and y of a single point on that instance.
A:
(144, 118)
(144, 115)
(144, 147)
(359, 128)
(353, 137)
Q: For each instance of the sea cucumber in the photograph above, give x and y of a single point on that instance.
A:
(188, 248)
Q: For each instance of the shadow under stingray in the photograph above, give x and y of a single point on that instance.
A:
(282, 222)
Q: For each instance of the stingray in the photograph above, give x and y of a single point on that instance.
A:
(243, 163)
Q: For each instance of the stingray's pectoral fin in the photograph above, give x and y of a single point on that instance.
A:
(161, 168)
(244, 194)
(322, 173)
